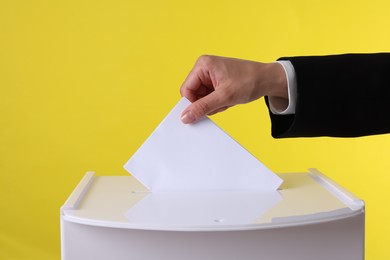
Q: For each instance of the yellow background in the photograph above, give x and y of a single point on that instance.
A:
(83, 84)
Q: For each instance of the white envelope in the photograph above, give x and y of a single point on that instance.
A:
(197, 157)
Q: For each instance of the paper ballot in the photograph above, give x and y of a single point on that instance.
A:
(197, 157)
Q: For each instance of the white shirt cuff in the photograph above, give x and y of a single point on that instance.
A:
(291, 88)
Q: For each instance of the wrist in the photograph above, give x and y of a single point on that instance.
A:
(282, 106)
(276, 82)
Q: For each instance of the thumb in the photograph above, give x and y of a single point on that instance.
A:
(201, 108)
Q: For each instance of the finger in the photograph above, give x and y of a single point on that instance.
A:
(218, 110)
(198, 82)
(201, 108)
(190, 83)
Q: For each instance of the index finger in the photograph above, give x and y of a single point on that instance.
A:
(190, 86)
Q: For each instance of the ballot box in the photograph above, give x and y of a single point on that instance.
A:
(308, 217)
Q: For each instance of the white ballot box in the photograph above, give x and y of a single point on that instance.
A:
(309, 218)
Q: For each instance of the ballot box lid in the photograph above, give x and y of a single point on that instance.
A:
(123, 202)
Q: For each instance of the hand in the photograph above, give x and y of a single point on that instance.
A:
(217, 83)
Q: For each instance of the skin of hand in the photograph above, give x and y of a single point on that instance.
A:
(217, 83)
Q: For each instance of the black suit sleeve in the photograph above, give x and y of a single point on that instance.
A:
(338, 95)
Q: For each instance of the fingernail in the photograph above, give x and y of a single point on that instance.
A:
(187, 118)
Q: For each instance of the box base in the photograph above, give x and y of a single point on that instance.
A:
(338, 239)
